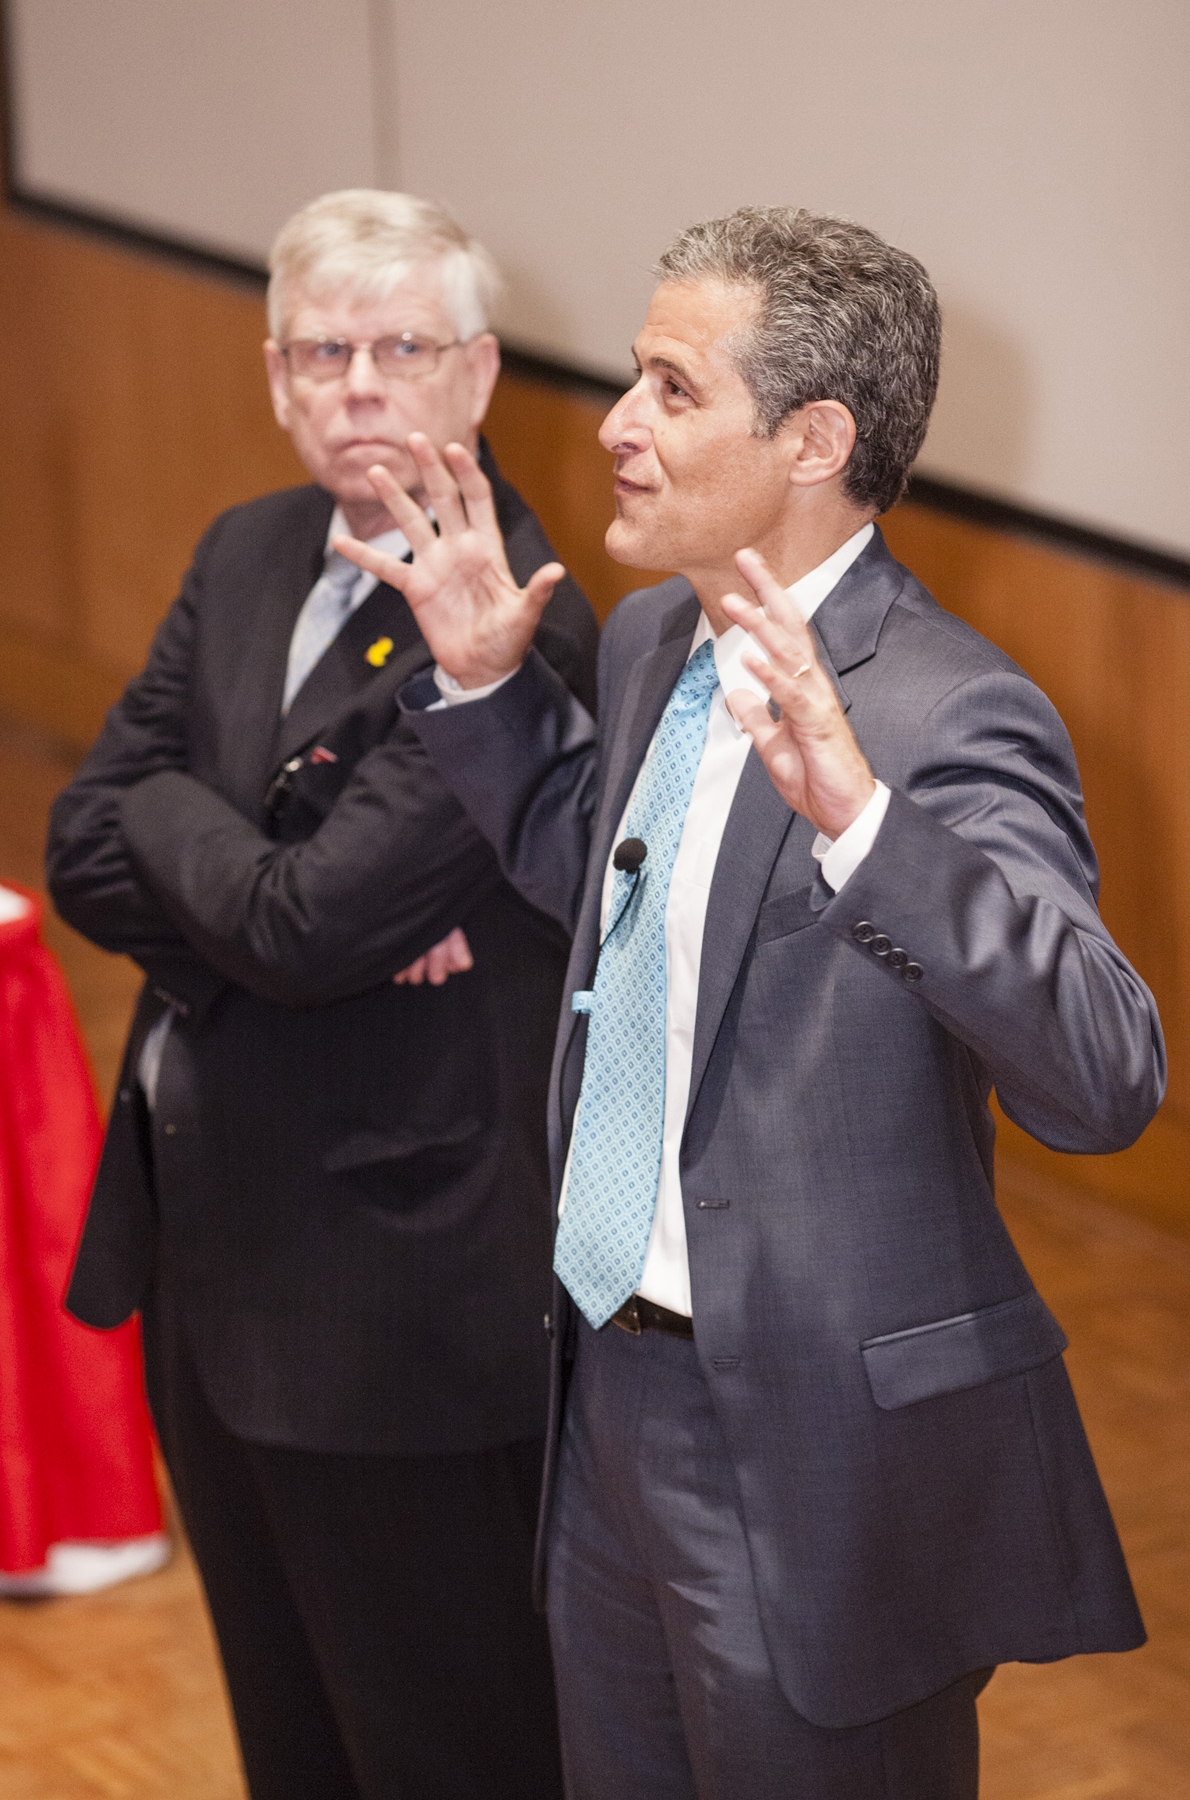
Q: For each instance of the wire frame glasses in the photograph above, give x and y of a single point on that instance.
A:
(406, 357)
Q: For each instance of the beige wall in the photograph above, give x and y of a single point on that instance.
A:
(136, 409)
(1036, 157)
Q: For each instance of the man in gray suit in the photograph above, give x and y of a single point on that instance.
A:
(816, 1464)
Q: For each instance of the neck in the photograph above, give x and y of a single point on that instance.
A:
(366, 518)
(790, 554)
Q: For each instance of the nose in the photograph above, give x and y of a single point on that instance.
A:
(363, 379)
(624, 426)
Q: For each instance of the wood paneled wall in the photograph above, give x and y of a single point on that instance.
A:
(134, 408)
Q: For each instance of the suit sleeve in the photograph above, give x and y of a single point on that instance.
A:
(983, 875)
(523, 764)
(91, 876)
(393, 867)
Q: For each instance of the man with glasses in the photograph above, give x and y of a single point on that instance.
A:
(325, 1181)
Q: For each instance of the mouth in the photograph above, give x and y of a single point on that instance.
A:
(622, 485)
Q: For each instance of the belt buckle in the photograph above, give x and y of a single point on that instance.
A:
(628, 1317)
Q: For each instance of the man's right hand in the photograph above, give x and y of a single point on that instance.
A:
(477, 622)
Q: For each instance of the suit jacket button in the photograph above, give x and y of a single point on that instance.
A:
(898, 959)
(864, 932)
(880, 944)
(912, 972)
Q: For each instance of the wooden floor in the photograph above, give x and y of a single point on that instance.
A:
(118, 1697)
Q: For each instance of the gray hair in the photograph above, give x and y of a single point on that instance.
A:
(366, 241)
(843, 316)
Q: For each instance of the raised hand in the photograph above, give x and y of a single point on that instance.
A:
(477, 621)
(811, 754)
(451, 957)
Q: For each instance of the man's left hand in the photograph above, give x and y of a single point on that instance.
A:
(810, 752)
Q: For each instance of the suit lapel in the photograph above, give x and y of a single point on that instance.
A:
(289, 571)
(379, 635)
(846, 629)
(756, 828)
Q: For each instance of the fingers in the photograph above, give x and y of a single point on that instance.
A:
(442, 489)
(402, 508)
(475, 488)
(390, 569)
(459, 951)
(541, 585)
(450, 957)
(753, 717)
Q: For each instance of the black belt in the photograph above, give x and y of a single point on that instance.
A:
(638, 1314)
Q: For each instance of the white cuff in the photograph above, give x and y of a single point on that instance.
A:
(454, 694)
(839, 859)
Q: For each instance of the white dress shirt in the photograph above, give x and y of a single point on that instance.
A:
(393, 543)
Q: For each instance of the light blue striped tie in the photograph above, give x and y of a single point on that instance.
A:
(615, 1160)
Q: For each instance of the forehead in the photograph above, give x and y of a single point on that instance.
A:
(415, 304)
(688, 323)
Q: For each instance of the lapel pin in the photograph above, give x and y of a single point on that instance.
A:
(379, 652)
(320, 754)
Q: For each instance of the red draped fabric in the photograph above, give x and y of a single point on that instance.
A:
(75, 1442)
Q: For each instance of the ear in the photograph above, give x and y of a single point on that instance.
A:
(822, 437)
(482, 354)
(278, 375)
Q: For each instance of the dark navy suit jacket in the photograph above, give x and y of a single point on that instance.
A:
(917, 1491)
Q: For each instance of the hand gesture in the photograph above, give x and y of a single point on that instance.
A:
(810, 753)
(476, 620)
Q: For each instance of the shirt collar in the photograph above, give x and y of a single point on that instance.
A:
(808, 593)
(393, 543)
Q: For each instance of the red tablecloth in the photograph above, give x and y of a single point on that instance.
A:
(75, 1440)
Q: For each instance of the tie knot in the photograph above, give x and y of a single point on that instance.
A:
(700, 677)
(340, 574)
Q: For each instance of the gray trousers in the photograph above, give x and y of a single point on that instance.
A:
(665, 1686)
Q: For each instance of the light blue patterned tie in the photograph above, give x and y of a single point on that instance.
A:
(324, 610)
(615, 1160)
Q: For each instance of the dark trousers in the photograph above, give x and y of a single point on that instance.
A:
(372, 1612)
(665, 1685)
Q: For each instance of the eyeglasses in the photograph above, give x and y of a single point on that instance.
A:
(403, 358)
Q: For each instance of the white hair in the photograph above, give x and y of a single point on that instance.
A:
(366, 241)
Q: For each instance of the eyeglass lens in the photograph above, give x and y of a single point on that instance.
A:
(325, 359)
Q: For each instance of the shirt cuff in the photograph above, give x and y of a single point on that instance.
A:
(453, 694)
(839, 859)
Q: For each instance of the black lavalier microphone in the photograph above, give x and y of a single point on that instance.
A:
(628, 857)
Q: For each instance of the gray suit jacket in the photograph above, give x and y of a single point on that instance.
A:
(917, 1490)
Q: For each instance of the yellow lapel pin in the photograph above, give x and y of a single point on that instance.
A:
(379, 652)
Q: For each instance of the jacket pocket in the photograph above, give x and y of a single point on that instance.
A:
(785, 914)
(364, 1149)
(962, 1352)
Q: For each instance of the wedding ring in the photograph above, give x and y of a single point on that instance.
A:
(804, 670)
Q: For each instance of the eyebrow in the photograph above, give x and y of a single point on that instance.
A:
(667, 362)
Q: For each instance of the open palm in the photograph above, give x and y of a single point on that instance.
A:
(476, 620)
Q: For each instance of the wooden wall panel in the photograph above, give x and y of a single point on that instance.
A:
(135, 408)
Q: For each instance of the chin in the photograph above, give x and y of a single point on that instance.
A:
(626, 543)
